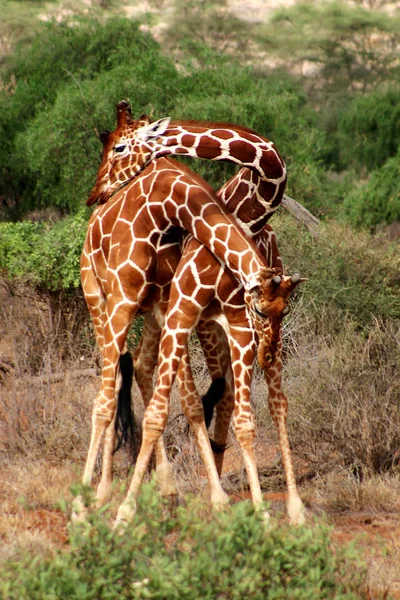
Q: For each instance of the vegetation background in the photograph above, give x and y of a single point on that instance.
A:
(322, 80)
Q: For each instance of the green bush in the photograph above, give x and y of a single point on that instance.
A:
(377, 201)
(350, 274)
(369, 129)
(43, 254)
(189, 556)
(53, 69)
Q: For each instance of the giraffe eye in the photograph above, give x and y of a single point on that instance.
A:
(120, 148)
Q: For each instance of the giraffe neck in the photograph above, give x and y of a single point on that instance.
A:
(179, 198)
(257, 190)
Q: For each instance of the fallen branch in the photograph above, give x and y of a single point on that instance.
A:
(300, 213)
(55, 377)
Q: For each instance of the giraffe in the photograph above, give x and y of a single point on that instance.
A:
(285, 289)
(251, 196)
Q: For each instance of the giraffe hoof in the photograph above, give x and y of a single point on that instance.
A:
(125, 514)
(102, 497)
(79, 511)
(216, 498)
(266, 517)
(296, 511)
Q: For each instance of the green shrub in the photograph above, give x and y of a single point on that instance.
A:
(377, 201)
(189, 556)
(44, 254)
(369, 129)
(350, 274)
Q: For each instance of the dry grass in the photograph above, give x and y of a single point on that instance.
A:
(341, 391)
(344, 392)
(341, 492)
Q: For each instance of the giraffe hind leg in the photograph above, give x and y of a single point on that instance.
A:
(193, 410)
(145, 362)
(216, 352)
(122, 428)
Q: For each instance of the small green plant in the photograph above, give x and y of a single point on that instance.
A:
(189, 556)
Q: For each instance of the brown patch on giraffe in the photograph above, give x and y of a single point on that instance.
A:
(248, 355)
(190, 282)
(272, 164)
(241, 192)
(204, 296)
(223, 134)
(245, 152)
(189, 140)
(211, 148)
(200, 228)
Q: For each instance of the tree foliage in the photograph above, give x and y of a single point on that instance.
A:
(46, 98)
(51, 120)
(59, 92)
(377, 202)
(350, 47)
(372, 122)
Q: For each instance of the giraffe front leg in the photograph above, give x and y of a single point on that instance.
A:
(154, 421)
(278, 406)
(242, 353)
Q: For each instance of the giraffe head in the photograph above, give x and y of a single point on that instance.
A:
(269, 305)
(126, 152)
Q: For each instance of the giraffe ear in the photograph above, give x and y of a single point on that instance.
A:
(153, 130)
(103, 137)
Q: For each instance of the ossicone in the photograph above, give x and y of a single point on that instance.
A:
(124, 113)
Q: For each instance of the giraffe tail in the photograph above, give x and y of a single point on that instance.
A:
(211, 398)
(125, 420)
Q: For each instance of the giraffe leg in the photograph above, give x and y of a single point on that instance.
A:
(104, 489)
(97, 307)
(172, 346)
(217, 354)
(223, 417)
(145, 362)
(242, 353)
(115, 329)
(278, 406)
(193, 410)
